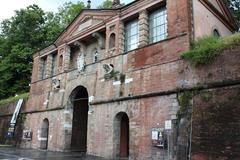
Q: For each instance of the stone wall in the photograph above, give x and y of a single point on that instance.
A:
(144, 114)
(6, 112)
(4, 124)
(216, 127)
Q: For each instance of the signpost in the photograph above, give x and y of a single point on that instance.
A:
(14, 119)
(168, 128)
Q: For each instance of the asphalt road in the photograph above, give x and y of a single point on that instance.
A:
(11, 153)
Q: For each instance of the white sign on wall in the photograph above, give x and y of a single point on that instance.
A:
(168, 124)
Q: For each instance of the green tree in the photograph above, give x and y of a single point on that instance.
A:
(68, 12)
(20, 36)
(106, 4)
(234, 6)
(52, 27)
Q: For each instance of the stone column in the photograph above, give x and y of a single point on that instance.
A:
(67, 58)
(49, 66)
(121, 37)
(143, 28)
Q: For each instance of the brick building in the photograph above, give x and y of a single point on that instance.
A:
(109, 82)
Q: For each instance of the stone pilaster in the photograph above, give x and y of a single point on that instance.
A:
(143, 29)
(67, 58)
(121, 37)
(49, 65)
(40, 68)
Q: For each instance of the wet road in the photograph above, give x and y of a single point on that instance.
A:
(10, 153)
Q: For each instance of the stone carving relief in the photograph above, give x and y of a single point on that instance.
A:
(56, 83)
(81, 58)
(81, 62)
(109, 71)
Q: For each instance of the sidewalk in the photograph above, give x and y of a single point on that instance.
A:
(12, 153)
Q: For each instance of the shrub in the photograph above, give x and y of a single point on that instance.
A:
(206, 49)
(13, 99)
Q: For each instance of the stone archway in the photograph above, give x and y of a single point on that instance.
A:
(121, 135)
(79, 100)
(44, 134)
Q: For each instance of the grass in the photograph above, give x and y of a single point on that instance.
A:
(206, 49)
(13, 99)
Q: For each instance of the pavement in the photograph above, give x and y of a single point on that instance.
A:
(12, 153)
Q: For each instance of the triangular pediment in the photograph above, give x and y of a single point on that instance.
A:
(86, 20)
(87, 23)
(216, 4)
(220, 9)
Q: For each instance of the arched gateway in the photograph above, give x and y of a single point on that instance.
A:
(79, 98)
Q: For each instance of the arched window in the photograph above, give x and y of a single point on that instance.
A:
(216, 33)
(112, 40)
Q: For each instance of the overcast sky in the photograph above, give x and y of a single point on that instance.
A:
(8, 7)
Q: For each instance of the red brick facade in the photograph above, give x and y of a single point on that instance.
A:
(145, 84)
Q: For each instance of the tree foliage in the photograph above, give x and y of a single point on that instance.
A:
(106, 4)
(234, 6)
(69, 11)
(20, 36)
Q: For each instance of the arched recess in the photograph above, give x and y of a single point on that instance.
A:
(121, 135)
(60, 61)
(79, 98)
(112, 40)
(216, 33)
(44, 134)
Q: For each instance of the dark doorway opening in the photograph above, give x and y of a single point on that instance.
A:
(44, 134)
(80, 118)
(122, 135)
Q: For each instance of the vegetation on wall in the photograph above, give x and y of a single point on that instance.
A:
(184, 100)
(205, 50)
(9, 100)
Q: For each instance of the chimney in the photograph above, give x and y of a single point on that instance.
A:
(116, 4)
(89, 4)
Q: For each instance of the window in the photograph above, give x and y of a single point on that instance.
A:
(95, 56)
(158, 25)
(54, 64)
(43, 67)
(216, 33)
(131, 35)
